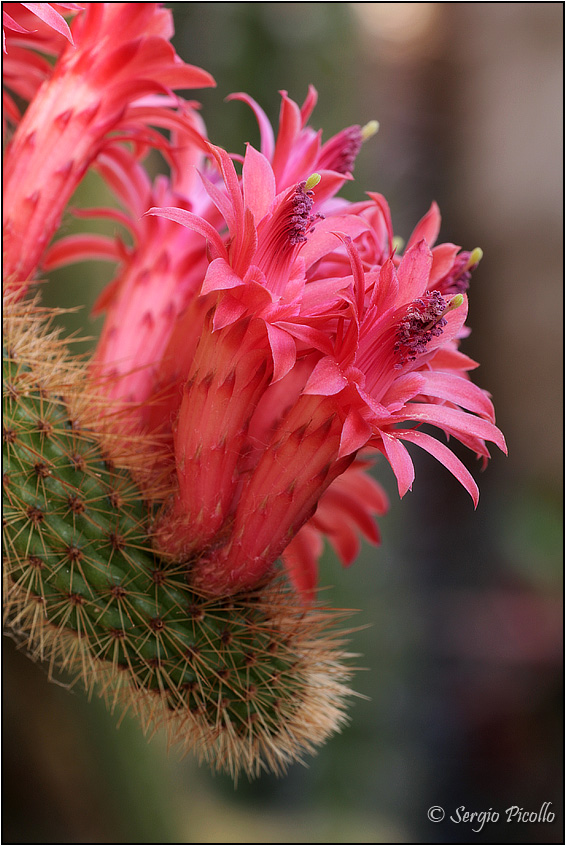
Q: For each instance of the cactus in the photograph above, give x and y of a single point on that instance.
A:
(249, 682)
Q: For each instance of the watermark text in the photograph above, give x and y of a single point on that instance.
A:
(477, 819)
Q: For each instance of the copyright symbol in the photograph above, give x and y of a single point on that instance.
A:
(435, 813)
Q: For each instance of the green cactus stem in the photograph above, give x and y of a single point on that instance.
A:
(249, 682)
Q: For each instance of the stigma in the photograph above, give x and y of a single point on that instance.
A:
(457, 280)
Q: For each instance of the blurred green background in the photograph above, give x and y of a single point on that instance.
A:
(462, 610)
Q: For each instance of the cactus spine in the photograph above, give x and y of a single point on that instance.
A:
(250, 682)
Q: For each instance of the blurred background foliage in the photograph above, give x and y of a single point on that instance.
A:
(460, 612)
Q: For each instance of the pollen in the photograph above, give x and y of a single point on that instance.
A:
(300, 220)
(423, 321)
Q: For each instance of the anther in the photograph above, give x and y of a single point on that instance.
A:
(423, 321)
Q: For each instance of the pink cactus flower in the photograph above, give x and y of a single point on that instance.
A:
(112, 81)
(28, 30)
(377, 348)
(281, 336)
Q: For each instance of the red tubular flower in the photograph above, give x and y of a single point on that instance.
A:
(117, 76)
(371, 348)
(394, 361)
(270, 338)
(157, 278)
(29, 29)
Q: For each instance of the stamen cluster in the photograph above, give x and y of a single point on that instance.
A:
(422, 322)
(301, 221)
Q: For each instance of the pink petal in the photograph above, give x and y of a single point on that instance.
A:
(259, 183)
(385, 292)
(442, 260)
(228, 310)
(326, 379)
(265, 128)
(221, 201)
(414, 271)
(452, 359)
(283, 350)
(428, 228)
(193, 221)
(455, 422)
(103, 212)
(312, 337)
(220, 277)
(301, 560)
(48, 15)
(340, 502)
(346, 543)
(356, 432)
(9, 22)
(459, 390)
(446, 457)
(75, 248)
(309, 104)
(330, 180)
(400, 462)
(228, 171)
(324, 240)
(289, 128)
(383, 207)
(403, 389)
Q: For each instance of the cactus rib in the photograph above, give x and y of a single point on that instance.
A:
(250, 682)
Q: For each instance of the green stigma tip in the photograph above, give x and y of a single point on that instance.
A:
(475, 258)
(455, 302)
(398, 243)
(313, 180)
(369, 129)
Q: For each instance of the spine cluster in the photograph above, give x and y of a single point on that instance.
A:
(250, 682)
